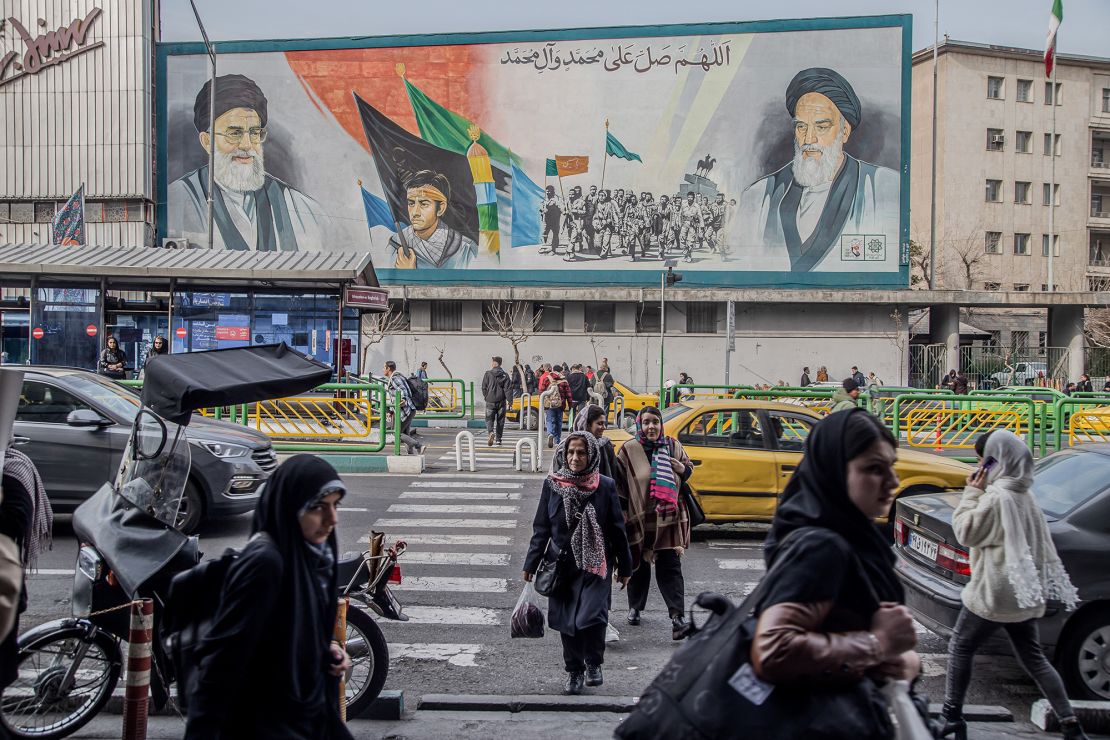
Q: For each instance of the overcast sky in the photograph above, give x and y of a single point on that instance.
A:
(1021, 23)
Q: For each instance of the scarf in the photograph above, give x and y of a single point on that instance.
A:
(664, 483)
(817, 496)
(1008, 481)
(39, 534)
(587, 543)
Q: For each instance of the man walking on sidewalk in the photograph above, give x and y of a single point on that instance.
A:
(579, 388)
(496, 390)
(397, 383)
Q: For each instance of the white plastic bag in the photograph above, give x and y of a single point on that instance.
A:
(527, 618)
(910, 726)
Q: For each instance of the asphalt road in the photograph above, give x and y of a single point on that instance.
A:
(467, 535)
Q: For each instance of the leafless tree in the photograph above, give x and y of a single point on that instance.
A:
(379, 326)
(919, 266)
(441, 349)
(899, 339)
(1096, 324)
(514, 321)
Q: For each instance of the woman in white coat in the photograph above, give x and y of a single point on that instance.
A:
(1014, 570)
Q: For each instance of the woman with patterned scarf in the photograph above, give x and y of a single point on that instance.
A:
(579, 509)
(654, 468)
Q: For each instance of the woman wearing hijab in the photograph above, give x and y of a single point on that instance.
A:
(592, 420)
(1014, 570)
(832, 615)
(113, 362)
(654, 467)
(268, 668)
(25, 517)
(158, 347)
(579, 509)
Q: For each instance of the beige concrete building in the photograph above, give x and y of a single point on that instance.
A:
(994, 168)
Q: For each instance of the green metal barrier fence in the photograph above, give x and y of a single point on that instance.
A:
(1081, 426)
(962, 418)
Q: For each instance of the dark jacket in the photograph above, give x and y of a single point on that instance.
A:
(110, 356)
(16, 512)
(805, 380)
(1084, 386)
(530, 381)
(585, 601)
(579, 387)
(861, 381)
(496, 385)
(959, 385)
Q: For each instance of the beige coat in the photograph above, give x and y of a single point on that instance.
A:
(647, 531)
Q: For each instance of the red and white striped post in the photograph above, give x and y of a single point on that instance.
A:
(138, 670)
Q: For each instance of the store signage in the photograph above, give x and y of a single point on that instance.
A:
(180, 332)
(233, 333)
(37, 333)
(91, 330)
(368, 299)
(47, 48)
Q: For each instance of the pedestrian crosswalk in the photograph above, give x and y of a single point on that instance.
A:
(500, 457)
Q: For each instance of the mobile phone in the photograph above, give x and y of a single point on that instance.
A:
(988, 464)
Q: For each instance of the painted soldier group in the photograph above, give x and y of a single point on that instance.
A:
(605, 223)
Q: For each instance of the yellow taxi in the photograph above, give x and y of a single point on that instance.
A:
(744, 452)
(633, 402)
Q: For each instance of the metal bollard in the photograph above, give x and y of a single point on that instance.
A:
(469, 439)
(341, 637)
(135, 698)
(525, 411)
(541, 422)
(518, 455)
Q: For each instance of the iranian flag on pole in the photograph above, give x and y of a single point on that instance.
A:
(1054, 20)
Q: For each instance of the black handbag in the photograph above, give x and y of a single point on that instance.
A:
(709, 690)
(552, 576)
(693, 508)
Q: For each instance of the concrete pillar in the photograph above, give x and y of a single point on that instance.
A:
(944, 328)
(472, 316)
(420, 316)
(624, 322)
(1065, 329)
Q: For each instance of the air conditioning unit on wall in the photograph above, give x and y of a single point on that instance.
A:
(175, 243)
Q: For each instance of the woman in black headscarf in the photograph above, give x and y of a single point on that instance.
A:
(268, 667)
(592, 420)
(833, 614)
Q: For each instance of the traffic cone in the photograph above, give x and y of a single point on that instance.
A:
(938, 448)
(135, 698)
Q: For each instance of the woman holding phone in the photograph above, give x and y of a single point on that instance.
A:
(1014, 571)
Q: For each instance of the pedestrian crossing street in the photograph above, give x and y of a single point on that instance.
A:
(467, 534)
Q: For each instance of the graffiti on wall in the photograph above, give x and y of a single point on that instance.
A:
(737, 154)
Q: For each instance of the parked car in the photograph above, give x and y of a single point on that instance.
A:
(1073, 488)
(744, 452)
(1023, 373)
(75, 424)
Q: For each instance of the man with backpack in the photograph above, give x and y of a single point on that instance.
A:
(496, 390)
(579, 388)
(398, 384)
(603, 384)
(555, 404)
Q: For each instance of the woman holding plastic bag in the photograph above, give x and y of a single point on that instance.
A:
(579, 511)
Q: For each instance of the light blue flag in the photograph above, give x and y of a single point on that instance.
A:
(527, 197)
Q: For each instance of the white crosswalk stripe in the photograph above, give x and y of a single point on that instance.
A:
(468, 495)
(454, 584)
(745, 564)
(456, 558)
(453, 615)
(391, 524)
(466, 484)
(451, 509)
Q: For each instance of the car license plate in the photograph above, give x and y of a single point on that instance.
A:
(928, 548)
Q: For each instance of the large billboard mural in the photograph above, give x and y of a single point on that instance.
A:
(754, 154)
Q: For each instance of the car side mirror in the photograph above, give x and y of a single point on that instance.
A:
(86, 418)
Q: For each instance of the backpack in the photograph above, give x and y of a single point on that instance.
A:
(418, 392)
(599, 385)
(192, 602)
(555, 400)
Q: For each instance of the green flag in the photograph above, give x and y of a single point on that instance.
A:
(616, 149)
(552, 169)
(448, 130)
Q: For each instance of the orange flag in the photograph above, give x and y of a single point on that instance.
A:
(572, 165)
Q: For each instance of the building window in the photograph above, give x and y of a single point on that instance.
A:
(1019, 340)
(44, 212)
(994, 191)
(1099, 206)
(1024, 142)
(1044, 287)
(1021, 244)
(1106, 100)
(647, 319)
(994, 242)
(995, 87)
(701, 318)
(992, 286)
(1047, 199)
(1049, 98)
(548, 317)
(1021, 287)
(601, 318)
(23, 213)
(1042, 341)
(446, 315)
(1025, 91)
(1048, 144)
(996, 140)
(1022, 192)
(1055, 245)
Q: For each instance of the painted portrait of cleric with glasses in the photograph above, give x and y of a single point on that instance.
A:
(252, 209)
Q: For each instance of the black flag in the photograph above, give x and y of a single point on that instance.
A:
(398, 155)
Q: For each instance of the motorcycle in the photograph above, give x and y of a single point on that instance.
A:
(129, 549)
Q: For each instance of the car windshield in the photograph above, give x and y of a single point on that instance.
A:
(105, 393)
(1068, 479)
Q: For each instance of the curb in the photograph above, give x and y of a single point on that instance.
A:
(450, 423)
(388, 705)
(369, 463)
(1093, 715)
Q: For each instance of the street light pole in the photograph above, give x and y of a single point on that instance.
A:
(933, 198)
(662, 331)
(211, 120)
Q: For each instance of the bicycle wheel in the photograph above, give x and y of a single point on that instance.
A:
(36, 705)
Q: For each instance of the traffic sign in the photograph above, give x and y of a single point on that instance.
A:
(37, 333)
(91, 330)
(180, 332)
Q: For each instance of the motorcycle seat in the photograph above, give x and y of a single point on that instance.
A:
(346, 568)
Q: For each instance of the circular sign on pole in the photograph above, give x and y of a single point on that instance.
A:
(180, 332)
(37, 333)
(91, 330)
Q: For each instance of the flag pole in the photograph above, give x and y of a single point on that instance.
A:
(1052, 180)
(604, 155)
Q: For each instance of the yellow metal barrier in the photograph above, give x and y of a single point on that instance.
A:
(443, 398)
(957, 429)
(1089, 425)
(314, 417)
